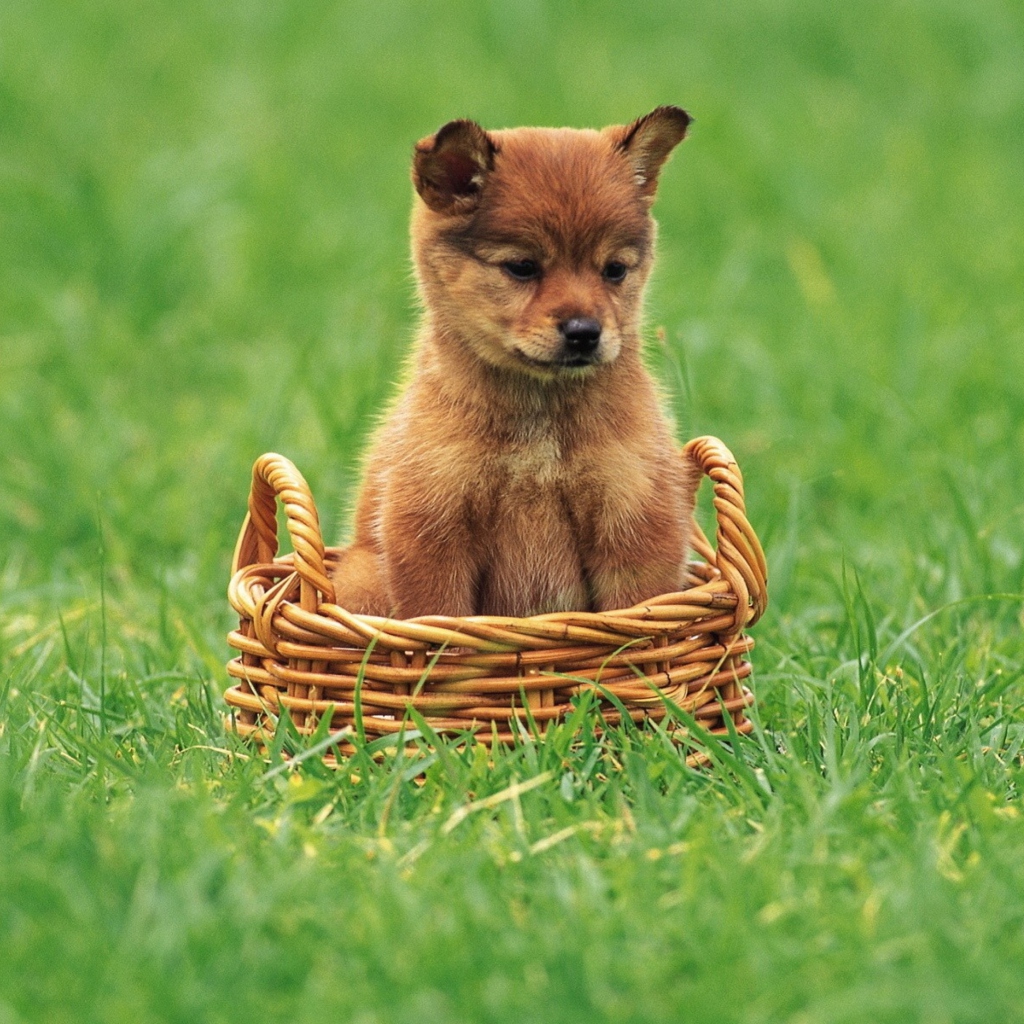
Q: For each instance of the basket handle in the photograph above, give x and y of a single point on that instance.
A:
(273, 477)
(738, 555)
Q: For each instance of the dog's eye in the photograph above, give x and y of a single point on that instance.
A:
(522, 270)
(614, 271)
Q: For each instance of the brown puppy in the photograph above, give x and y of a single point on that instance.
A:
(526, 466)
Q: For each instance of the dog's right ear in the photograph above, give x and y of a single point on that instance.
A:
(448, 169)
(648, 141)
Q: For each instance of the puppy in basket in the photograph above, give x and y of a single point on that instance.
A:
(526, 466)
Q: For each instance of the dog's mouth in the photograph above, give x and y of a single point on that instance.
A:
(574, 362)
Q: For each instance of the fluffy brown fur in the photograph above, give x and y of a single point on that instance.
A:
(526, 466)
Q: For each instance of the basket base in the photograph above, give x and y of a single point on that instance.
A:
(258, 727)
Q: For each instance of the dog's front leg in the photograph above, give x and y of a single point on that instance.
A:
(625, 586)
(430, 566)
(647, 560)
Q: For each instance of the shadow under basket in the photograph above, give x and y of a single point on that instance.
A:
(301, 654)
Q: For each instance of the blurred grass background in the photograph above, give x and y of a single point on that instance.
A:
(203, 256)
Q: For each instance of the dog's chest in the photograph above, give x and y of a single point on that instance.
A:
(529, 465)
(532, 532)
(532, 556)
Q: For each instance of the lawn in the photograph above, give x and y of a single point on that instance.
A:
(203, 256)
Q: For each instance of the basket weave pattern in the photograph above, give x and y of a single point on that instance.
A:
(302, 654)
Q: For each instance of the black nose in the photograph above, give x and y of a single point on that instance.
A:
(582, 334)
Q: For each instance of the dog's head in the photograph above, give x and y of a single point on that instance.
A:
(533, 245)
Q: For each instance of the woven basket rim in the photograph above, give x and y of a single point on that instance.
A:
(264, 583)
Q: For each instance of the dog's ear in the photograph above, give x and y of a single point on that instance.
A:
(448, 169)
(648, 141)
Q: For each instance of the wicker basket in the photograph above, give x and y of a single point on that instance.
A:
(486, 676)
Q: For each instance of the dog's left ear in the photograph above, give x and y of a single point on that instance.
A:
(449, 168)
(647, 142)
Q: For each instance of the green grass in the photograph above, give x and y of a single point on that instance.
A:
(203, 257)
